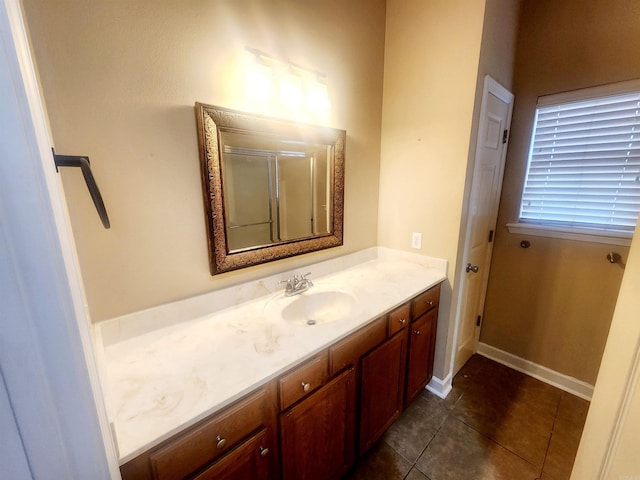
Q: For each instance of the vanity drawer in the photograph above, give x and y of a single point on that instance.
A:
(426, 301)
(249, 460)
(303, 380)
(399, 318)
(348, 351)
(210, 440)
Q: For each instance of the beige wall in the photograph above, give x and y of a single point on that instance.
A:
(437, 54)
(431, 64)
(552, 303)
(120, 78)
(499, 37)
(497, 56)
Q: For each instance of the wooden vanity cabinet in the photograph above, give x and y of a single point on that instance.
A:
(329, 410)
(245, 462)
(303, 380)
(422, 340)
(242, 438)
(381, 389)
(379, 364)
(318, 433)
(348, 352)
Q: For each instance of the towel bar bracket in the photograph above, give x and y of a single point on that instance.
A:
(94, 191)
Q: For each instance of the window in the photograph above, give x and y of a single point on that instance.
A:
(583, 172)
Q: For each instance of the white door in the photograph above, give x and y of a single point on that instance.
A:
(491, 148)
(53, 422)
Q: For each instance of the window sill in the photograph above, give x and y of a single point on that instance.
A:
(567, 233)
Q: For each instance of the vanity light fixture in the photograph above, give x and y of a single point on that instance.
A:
(260, 79)
(290, 88)
(318, 94)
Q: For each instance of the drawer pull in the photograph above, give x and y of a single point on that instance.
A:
(306, 386)
(431, 303)
(403, 321)
(220, 442)
(264, 451)
(417, 332)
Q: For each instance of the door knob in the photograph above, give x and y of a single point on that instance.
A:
(472, 268)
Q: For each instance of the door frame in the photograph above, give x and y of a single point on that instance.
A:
(491, 86)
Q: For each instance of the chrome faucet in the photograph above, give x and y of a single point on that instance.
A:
(297, 284)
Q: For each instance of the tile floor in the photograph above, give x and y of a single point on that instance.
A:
(495, 424)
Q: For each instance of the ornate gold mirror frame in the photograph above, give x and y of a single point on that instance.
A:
(215, 124)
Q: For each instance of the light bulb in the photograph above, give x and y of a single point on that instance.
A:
(317, 96)
(291, 90)
(259, 84)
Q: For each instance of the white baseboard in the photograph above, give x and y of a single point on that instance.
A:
(438, 387)
(563, 382)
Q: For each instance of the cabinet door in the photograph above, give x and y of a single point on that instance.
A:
(202, 445)
(318, 434)
(382, 388)
(420, 359)
(248, 461)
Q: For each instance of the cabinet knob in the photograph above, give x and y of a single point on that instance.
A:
(431, 303)
(264, 451)
(403, 321)
(306, 386)
(220, 442)
(417, 332)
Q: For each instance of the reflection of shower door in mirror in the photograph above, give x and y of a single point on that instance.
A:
(249, 199)
(295, 213)
(272, 196)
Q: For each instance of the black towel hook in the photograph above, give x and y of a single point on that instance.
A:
(94, 191)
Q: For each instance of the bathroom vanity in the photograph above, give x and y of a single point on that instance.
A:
(308, 400)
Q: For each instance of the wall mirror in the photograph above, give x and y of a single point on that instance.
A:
(272, 188)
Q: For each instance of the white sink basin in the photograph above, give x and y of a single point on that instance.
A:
(314, 308)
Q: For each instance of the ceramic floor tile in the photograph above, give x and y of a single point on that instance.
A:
(561, 455)
(416, 474)
(518, 413)
(546, 476)
(464, 378)
(525, 434)
(458, 452)
(565, 438)
(412, 431)
(458, 387)
(513, 409)
(572, 412)
(475, 364)
(381, 463)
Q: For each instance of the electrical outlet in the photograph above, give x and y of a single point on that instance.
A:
(416, 240)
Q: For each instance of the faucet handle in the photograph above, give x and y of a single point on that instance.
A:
(289, 283)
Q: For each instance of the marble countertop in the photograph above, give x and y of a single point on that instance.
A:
(166, 368)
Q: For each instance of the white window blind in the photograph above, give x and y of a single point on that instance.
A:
(584, 165)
